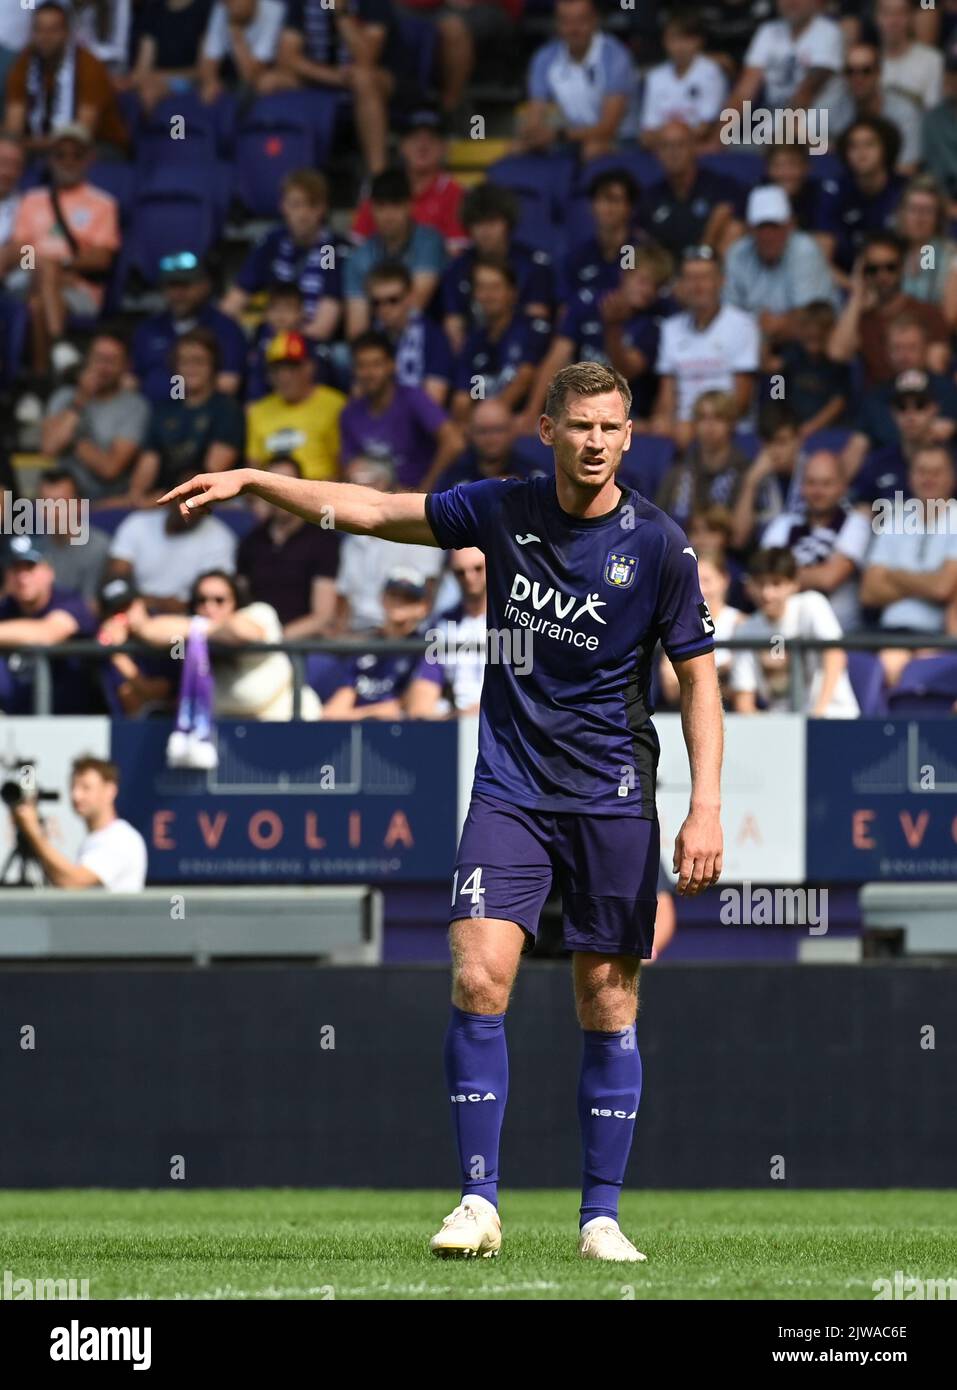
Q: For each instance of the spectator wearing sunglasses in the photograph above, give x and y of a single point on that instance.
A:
(186, 286)
(877, 296)
(861, 94)
(423, 356)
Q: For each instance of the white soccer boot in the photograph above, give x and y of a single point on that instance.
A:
(603, 1239)
(472, 1229)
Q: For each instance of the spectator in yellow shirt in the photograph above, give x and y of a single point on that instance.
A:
(299, 419)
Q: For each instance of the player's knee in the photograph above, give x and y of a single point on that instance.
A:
(481, 987)
(604, 1005)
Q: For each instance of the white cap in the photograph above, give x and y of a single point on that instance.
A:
(768, 204)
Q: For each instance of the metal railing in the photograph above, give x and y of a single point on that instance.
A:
(298, 649)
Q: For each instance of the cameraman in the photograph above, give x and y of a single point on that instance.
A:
(113, 853)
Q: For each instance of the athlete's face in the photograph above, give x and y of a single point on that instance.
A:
(589, 438)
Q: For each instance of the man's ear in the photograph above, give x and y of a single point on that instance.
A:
(546, 429)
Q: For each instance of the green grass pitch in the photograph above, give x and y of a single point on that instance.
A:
(291, 1244)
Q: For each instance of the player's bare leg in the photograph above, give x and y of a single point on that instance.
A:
(485, 957)
(606, 998)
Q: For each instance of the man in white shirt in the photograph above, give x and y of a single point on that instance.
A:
(365, 562)
(112, 854)
(827, 538)
(911, 573)
(689, 88)
(710, 347)
(915, 69)
(795, 59)
(247, 32)
(163, 555)
(784, 612)
(449, 682)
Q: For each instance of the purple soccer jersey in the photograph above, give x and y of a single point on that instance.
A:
(576, 606)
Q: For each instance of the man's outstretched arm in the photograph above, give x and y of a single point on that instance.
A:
(698, 848)
(395, 516)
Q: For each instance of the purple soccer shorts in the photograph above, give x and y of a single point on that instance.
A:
(606, 867)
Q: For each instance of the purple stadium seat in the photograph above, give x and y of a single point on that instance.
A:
(167, 218)
(640, 164)
(927, 685)
(209, 179)
(238, 519)
(418, 38)
(530, 448)
(326, 673)
(14, 324)
(741, 165)
(116, 179)
(832, 440)
(867, 681)
(646, 463)
(826, 166)
(544, 177)
(279, 134)
(536, 228)
(748, 442)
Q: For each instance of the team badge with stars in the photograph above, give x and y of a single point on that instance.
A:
(620, 570)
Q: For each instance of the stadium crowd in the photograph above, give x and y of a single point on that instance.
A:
(357, 241)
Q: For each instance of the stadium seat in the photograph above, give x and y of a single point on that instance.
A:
(867, 681)
(530, 448)
(279, 134)
(238, 519)
(646, 463)
(832, 440)
(538, 176)
(14, 326)
(418, 38)
(748, 442)
(640, 164)
(210, 180)
(927, 685)
(741, 165)
(116, 179)
(826, 166)
(164, 219)
(326, 673)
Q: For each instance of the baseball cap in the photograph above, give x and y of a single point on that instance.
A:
(422, 118)
(912, 384)
(287, 347)
(408, 583)
(72, 130)
(768, 204)
(115, 596)
(182, 268)
(23, 551)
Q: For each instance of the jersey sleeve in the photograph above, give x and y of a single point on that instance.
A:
(685, 626)
(462, 515)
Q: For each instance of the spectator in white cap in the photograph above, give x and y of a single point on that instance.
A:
(775, 269)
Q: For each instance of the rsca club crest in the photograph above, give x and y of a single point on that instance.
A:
(620, 570)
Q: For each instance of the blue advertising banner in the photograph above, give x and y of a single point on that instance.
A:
(881, 799)
(305, 803)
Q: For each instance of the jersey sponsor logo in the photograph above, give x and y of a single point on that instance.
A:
(544, 595)
(620, 569)
(707, 622)
(527, 540)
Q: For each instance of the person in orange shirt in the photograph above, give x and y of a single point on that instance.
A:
(65, 237)
(55, 82)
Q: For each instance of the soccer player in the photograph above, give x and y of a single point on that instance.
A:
(593, 575)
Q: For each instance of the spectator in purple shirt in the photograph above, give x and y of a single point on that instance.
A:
(502, 351)
(398, 423)
(35, 613)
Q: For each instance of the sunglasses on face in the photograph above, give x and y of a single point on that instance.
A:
(882, 268)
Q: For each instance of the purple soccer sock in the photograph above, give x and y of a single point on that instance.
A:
(609, 1090)
(203, 694)
(476, 1068)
